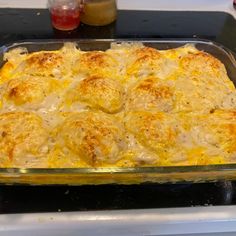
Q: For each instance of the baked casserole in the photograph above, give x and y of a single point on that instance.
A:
(128, 106)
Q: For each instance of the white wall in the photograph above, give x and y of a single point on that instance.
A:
(172, 4)
(135, 4)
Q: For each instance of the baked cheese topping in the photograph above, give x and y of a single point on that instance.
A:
(131, 105)
(97, 92)
(96, 138)
(23, 140)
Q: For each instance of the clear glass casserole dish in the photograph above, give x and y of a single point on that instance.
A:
(137, 175)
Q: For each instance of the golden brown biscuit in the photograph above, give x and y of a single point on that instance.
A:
(202, 64)
(185, 138)
(43, 63)
(151, 93)
(23, 140)
(29, 89)
(97, 139)
(97, 92)
(147, 61)
(96, 63)
(33, 93)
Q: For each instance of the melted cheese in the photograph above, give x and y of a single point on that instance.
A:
(96, 63)
(149, 61)
(97, 92)
(43, 63)
(154, 131)
(33, 93)
(189, 138)
(128, 106)
(94, 137)
(151, 93)
(23, 140)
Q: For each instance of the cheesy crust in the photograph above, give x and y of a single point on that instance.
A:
(23, 140)
(94, 137)
(186, 138)
(56, 64)
(151, 94)
(149, 61)
(96, 63)
(97, 92)
(129, 106)
(30, 89)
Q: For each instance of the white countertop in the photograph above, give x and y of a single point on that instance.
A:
(203, 221)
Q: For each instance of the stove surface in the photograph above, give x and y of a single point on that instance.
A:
(18, 199)
(22, 24)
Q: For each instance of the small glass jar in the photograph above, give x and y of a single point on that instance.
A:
(98, 12)
(65, 14)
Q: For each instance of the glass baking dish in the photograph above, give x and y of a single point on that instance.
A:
(138, 175)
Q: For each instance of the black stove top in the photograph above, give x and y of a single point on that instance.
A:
(19, 199)
(23, 24)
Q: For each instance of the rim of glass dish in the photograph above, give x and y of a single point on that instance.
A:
(123, 170)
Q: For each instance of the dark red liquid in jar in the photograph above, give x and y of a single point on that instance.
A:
(65, 19)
